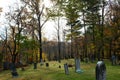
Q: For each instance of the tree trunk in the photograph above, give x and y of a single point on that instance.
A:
(13, 66)
(40, 38)
(59, 44)
(110, 48)
(85, 43)
(102, 30)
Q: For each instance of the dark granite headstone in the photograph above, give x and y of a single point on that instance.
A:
(66, 69)
(59, 66)
(13, 70)
(35, 65)
(113, 58)
(47, 64)
(5, 65)
(100, 71)
(92, 58)
(14, 74)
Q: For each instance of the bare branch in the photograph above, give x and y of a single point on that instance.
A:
(44, 22)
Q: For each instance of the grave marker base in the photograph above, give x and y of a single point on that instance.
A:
(14, 74)
(79, 71)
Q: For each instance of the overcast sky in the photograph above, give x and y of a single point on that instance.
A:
(49, 30)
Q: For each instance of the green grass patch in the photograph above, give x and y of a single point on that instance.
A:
(53, 72)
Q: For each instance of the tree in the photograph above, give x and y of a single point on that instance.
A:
(72, 14)
(91, 21)
(112, 32)
(4, 50)
(0, 9)
(41, 14)
(58, 28)
(16, 25)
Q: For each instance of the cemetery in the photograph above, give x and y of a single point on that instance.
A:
(53, 72)
(59, 39)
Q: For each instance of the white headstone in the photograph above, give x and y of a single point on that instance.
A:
(77, 65)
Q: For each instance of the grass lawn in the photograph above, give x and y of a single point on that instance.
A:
(53, 72)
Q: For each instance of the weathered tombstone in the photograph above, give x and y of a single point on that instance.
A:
(41, 62)
(5, 65)
(35, 65)
(100, 71)
(113, 58)
(92, 58)
(66, 68)
(14, 74)
(59, 66)
(13, 70)
(77, 66)
(47, 64)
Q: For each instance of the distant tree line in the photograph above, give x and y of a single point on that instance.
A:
(23, 37)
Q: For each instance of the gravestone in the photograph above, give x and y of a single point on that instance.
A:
(5, 65)
(59, 66)
(113, 58)
(14, 74)
(66, 68)
(92, 58)
(77, 66)
(41, 63)
(100, 71)
(13, 70)
(35, 65)
(47, 64)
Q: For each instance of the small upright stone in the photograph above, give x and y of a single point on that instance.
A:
(35, 65)
(47, 64)
(66, 68)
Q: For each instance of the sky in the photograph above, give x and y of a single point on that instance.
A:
(4, 4)
(5, 8)
(48, 30)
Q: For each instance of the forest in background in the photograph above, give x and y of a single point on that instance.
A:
(23, 40)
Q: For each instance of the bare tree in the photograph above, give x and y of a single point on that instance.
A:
(40, 13)
(15, 24)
